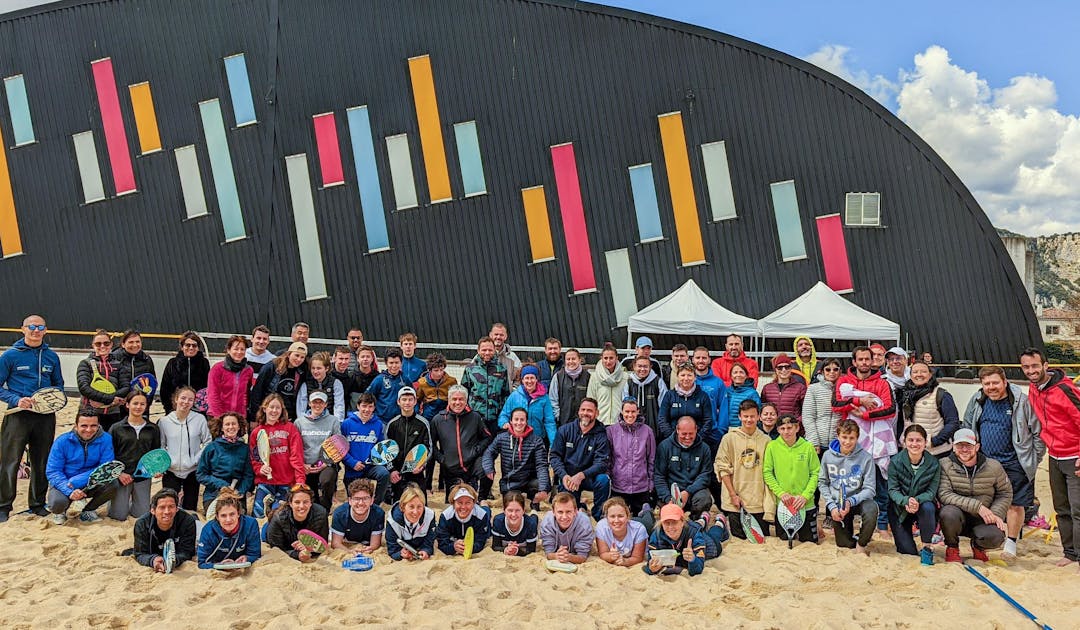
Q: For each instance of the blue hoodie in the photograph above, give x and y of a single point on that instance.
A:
(24, 370)
(222, 462)
(737, 394)
(71, 460)
(361, 436)
(718, 393)
(215, 546)
(385, 388)
(541, 413)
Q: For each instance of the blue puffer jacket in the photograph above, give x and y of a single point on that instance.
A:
(660, 540)
(71, 460)
(25, 370)
(698, 405)
(538, 406)
(216, 546)
(737, 394)
(222, 462)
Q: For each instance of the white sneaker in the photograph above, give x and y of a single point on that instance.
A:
(59, 519)
(1010, 550)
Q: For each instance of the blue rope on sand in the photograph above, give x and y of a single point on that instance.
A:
(1005, 596)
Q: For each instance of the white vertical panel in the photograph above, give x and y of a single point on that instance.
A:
(89, 168)
(187, 166)
(718, 177)
(401, 171)
(307, 230)
(621, 281)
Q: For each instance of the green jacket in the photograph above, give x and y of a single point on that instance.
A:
(792, 469)
(904, 482)
(488, 387)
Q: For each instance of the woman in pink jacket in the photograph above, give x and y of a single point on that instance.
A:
(230, 380)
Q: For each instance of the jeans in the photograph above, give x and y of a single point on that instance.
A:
(600, 486)
(16, 432)
(901, 524)
(845, 530)
(956, 523)
(1065, 493)
(881, 497)
(280, 493)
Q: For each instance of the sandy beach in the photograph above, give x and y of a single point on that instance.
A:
(72, 576)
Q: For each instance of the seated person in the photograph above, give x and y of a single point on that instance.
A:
(567, 534)
(580, 457)
(684, 459)
(410, 530)
(739, 462)
(321, 473)
(674, 532)
(226, 460)
(132, 438)
(633, 454)
(913, 485)
(74, 455)
(791, 472)
(524, 459)
(975, 494)
(462, 514)
(164, 521)
(231, 537)
(363, 431)
(358, 524)
(847, 484)
(298, 513)
(620, 540)
(514, 532)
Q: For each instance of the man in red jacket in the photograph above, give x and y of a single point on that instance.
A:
(1056, 401)
(733, 353)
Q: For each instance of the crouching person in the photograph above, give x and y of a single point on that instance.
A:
(975, 495)
(847, 484)
(73, 457)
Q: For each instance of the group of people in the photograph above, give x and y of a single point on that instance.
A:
(881, 448)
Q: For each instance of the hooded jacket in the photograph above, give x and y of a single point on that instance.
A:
(223, 462)
(129, 445)
(488, 387)
(216, 546)
(459, 441)
(149, 540)
(742, 457)
(987, 485)
(905, 481)
(432, 396)
(849, 477)
(932, 407)
(736, 395)
(1057, 406)
(648, 393)
(792, 469)
(184, 441)
(286, 385)
(24, 370)
(181, 370)
(420, 536)
(313, 431)
(523, 457)
(566, 393)
(408, 432)
(284, 528)
(538, 407)
(105, 366)
(607, 388)
(450, 528)
(362, 436)
(807, 368)
(286, 454)
(697, 405)
(71, 460)
(721, 366)
(128, 367)
(227, 390)
(660, 540)
(633, 456)
(688, 466)
(1026, 432)
(574, 451)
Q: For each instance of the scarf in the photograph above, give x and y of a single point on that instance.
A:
(685, 392)
(572, 373)
(912, 393)
(234, 366)
(614, 378)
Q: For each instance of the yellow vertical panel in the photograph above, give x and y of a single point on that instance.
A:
(431, 137)
(9, 224)
(683, 200)
(536, 221)
(145, 118)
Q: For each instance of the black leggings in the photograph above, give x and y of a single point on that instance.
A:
(188, 488)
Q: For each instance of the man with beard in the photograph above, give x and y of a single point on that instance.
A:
(733, 353)
(505, 355)
(647, 389)
(553, 361)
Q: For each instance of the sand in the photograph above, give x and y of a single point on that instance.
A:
(72, 576)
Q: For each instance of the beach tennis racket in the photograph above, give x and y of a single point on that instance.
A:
(231, 566)
(314, 542)
(168, 554)
(101, 384)
(44, 400)
(153, 463)
(359, 562)
(102, 475)
(751, 527)
(470, 538)
(262, 447)
(383, 453)
(555, 566)
(791, 521)
(202, 401)
(407, 547)
(145, 383)
(676, 494)
(416, 459)
(335, 447)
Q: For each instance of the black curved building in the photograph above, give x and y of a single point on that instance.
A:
(217, 164)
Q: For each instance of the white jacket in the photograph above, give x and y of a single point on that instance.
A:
(184, 441)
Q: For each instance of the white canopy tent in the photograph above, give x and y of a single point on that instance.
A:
(823, 314)
(689, 311)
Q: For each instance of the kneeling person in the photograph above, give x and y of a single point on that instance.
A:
(847, 483)
(73, 456)
(975, 495)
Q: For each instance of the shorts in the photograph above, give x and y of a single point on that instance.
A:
(1022, 487)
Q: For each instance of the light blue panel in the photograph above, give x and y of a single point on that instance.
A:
(788, 225)
(648, 212)
(19, 107)
(240, 90)
(367, 179)
(217, 145)
(307, 228)
(472, 165)
(718, 177)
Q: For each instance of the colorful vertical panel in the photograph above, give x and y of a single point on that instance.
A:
(401, 173)
(191, 184)
(645, 206)
(367, 179)
(22, 126)
(621, 281)
(307, 229)
(240, 90)
(431, 138)
(113, 123)
(568, 186)
(788, 223)
(326, 139)
(537, 224)
(217, 146)
(472, 164)
(10, 239)
(683, 199)
(718, 178)
(142, 102)
(89, 169)
(834, 255)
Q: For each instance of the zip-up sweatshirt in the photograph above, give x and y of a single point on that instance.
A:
(849, 477)
(24, 370)
(185, 441)
(451, 528)
(217, 546)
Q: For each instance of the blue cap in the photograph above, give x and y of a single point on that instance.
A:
(642, 342)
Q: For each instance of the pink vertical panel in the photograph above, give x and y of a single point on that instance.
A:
(326, 139)
(834, 253)
(573, 218)
(113, 123)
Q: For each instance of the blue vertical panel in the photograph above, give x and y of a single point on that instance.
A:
(240, 90)
(22, 127)
(307, 228)
(217, 145)
(788, 223)
(367, 179)
(645, 206)
(472, 165)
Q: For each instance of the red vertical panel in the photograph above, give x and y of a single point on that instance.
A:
(573, 218)
(113, 123)
(326, 139)
(834, 253)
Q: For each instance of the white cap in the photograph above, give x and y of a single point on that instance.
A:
(318, 395)
(897, 350)
(964, 436)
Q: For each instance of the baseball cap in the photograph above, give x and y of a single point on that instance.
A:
(671, 512)
(464, 491)
(318, 395)
(643, 342)
(406, 391)
(877, 346)
(296, 346)
(964, 436)
(898, 351)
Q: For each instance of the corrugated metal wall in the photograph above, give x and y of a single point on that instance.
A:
(532, 74)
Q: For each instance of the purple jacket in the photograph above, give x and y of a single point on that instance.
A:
(633, 451)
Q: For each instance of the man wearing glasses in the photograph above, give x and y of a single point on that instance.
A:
(25, 368)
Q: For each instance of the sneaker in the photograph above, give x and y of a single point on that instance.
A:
(40, 511)
(926, 556)
(937, 539)
(645, 509)
(89, 516)
(952, 554)
(1010, 550)
(979, 554)
(59, 519)
(1039, 522)
(4, 515)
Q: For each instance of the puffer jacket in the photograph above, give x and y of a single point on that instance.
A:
(181, 370)
(432, 396)
(1027, 430)
(905, 481)
(818, 417)
(736, 395)
(107, 367)
(128, 367)
(788, 397)
(988, 486)
(538, 408)
(488, 387)
(697, 405)
(71, 460)
(524, 458)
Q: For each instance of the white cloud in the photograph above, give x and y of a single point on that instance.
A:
(1017, 153)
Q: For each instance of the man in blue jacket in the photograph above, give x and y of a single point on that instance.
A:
(683, 459)
(581, 456)
(25, 368)
(72, 458)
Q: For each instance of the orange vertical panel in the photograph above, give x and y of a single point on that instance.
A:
(431, 137)
(536, 221)
(683, 200)
(9, 224)
(145, 118)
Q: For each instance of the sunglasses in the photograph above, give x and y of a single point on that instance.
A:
(355, 338)
(36, 327)
(299, 486)
(832, 369)
(189, 345)
(783, 367)
(102, 343)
